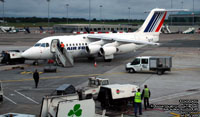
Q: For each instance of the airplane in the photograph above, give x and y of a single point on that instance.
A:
(106, 45)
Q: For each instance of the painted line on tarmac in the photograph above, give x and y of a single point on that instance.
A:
(56, 77)
(168, 97)
(26, 97)
(9, 99)
(88, 75)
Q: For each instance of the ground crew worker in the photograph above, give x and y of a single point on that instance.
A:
(62, 47)
(138, 102)
(146, 94)
(36, 78)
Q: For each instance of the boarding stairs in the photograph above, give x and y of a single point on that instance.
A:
(65, 59)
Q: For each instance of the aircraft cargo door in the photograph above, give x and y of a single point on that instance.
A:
(54, 44)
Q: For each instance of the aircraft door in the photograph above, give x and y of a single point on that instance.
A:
(54, 44)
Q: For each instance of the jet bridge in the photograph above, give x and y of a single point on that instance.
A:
(65, 59)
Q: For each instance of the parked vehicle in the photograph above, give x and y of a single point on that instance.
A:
(12, 57)
(159, 64)
(117, 95)
(92, 90)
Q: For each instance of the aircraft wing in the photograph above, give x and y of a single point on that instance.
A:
(121, 40)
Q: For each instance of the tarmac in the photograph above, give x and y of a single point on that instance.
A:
(168, 90)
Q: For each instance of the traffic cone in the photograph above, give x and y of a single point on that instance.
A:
(95, 64)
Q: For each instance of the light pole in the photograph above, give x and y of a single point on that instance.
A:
(171, 13)
(193, 14)
(100, 15)
(129, 12)
(89, 14)
(3, 10)
(48, 13)
(67, 5)
(182, 4)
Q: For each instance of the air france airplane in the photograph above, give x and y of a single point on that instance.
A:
(107, 45)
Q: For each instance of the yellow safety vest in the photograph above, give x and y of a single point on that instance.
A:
(146, 92)
(138, 97)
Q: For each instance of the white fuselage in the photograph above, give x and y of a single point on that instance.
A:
(76, 44)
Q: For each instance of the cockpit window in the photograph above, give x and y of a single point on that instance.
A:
(43, 45)
(47, 44)
(37, 44)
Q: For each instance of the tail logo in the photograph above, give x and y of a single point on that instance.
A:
(156, 22)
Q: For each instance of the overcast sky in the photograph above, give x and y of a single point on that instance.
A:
(112, 9)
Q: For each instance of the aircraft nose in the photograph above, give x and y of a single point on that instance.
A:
(31, 53)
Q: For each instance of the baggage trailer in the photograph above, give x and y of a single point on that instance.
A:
(117, 96)
(159, 64)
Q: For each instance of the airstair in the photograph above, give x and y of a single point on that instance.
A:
(65, 59)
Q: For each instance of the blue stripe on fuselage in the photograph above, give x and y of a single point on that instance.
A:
(150, 23)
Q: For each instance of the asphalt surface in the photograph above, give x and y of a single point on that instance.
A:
(182, 82)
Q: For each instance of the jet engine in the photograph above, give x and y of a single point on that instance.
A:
(124, 48)
(106, 51)
(93, 49)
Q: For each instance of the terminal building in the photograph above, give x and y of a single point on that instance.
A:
(185, 18)
(97, 28)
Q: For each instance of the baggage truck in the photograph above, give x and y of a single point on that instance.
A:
(159, 64)
(92, 90)
(12, 57)
(117, 96)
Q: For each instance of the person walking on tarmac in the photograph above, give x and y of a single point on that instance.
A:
(62, 47)
(146, 94)
(138, 102)
(36, 78)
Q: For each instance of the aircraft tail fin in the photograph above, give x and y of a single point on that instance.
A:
(155, 20)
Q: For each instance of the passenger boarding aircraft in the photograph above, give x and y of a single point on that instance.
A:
(107, 45)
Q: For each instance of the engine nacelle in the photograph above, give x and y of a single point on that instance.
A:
(105, 51)
(127, 48)
(93, 49)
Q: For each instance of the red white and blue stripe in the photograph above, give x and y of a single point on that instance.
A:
(156, 21)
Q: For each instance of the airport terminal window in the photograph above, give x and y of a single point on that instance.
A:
(37, 44)
(144, 61)
(135, 62)
(47, 44)
(43, 45)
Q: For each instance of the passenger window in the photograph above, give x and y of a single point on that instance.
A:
(37, 44)
(79, 43)
(76, 44)
(144, 61)
(85, 43)
(66, 44)
(43, 45)
(136, 62)
(70, 44)
(47, 44)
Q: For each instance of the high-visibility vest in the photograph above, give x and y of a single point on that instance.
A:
(138, 97)
(62, 45)
(146, 92)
